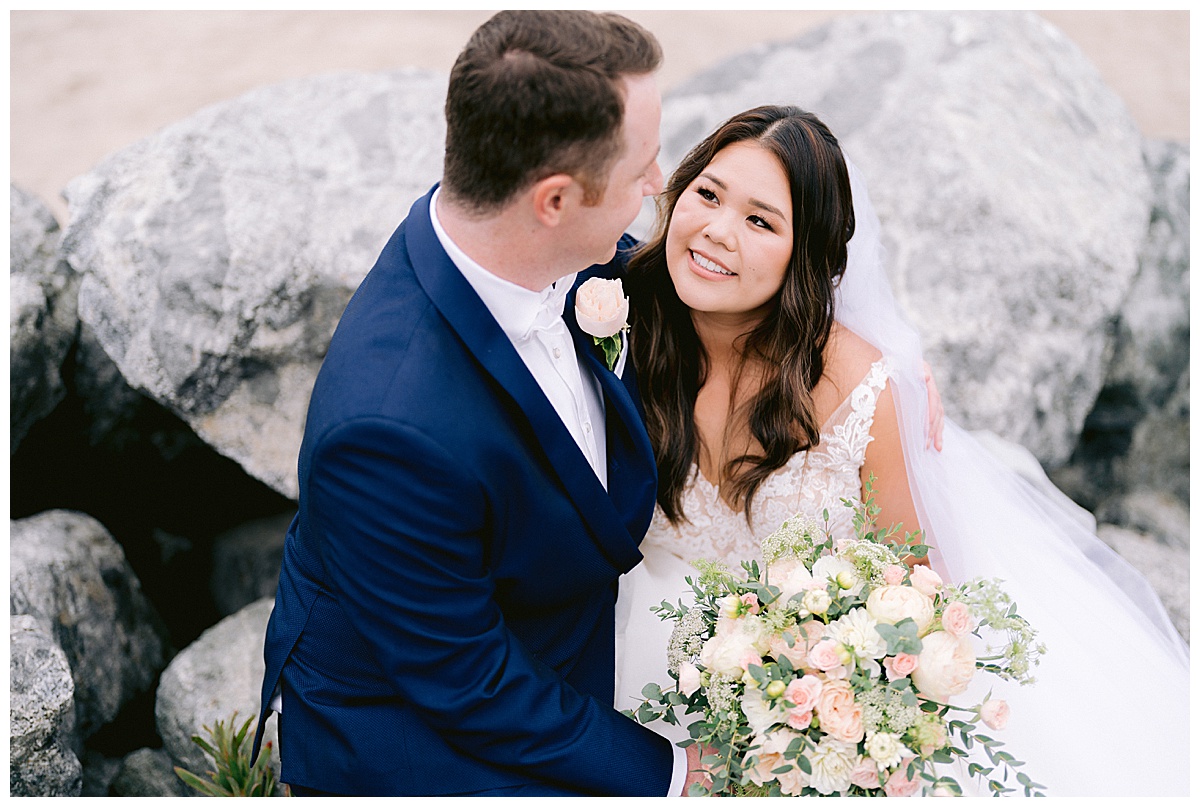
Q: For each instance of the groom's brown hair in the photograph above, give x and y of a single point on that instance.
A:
(537, 93)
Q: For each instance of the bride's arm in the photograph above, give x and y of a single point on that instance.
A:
(885, 460)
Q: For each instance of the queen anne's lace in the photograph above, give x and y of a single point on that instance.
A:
(810, 482)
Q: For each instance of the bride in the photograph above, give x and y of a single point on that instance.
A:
(777, 375)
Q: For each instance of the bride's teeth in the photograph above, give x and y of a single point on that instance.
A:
(709, 265)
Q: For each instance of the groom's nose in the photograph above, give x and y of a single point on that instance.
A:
(654, 181)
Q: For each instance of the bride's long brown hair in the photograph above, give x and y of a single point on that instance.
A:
(786, 347)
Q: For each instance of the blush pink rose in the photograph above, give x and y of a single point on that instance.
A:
(803, 692)
(601, 307)
(749, 657)
(995, 714)
(898, 784)
(750, 601)
(689, 678)
(797, 653)
(893, 575)
(841, 716)
(956, 619)
(900, 665)
(925, 580)
(865, 774)
(825, 655)
(799, 720)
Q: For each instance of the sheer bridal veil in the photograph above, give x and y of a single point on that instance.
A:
(981, 517)
(1108, 713)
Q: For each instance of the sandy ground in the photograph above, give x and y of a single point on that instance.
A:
(86, 83)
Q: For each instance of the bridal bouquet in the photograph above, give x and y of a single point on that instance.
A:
(832, 669)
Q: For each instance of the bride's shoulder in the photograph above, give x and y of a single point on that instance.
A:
(848, 359)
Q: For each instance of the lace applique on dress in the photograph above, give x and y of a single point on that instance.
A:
(810, 482)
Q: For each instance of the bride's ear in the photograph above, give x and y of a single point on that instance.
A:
(551, 197)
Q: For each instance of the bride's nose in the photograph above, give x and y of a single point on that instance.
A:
(719, 229)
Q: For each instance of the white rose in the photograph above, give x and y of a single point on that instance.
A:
(945, 666)
(891, 604)
(790, 576)
(689, 678)
(838, 570)
(601, 307)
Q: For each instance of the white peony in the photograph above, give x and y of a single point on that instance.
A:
(816, 601)
(833, 762)
(790, 576)
(760, 714)
(891, 604)
(840, 571)
(733, 641)
(945, 666)
(856, 630)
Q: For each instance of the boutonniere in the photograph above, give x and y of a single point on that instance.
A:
(602, 310)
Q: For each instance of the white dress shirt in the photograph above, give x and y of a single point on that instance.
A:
(532, 321)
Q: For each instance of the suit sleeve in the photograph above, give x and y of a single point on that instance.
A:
(402, 538)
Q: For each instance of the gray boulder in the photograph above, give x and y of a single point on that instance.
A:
(1133, 462)
(42, 319)
(148, 772)
(68, 573)
(217, 255)
(99, 772)
(1010, 183)
(246, 562)
(218, 674)
(41, 705)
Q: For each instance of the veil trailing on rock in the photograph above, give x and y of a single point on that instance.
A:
(1096, 614)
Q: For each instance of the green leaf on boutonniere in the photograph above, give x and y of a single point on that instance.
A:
(611, 345)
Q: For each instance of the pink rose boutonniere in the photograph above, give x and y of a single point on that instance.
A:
(602, 310)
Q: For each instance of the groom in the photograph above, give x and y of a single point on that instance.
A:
(473, 478)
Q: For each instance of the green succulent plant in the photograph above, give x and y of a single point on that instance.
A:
(230, 752)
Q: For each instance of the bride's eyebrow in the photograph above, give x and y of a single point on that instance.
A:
(753, 202)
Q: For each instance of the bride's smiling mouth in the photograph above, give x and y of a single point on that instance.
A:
(706, 267)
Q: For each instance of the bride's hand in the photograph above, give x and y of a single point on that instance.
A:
(696, 771)
(933, 434)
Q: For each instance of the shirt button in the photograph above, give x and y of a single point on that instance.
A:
(558, 353)
(587, 428)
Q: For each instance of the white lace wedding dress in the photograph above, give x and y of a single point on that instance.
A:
(1109, 712)
(810, 482)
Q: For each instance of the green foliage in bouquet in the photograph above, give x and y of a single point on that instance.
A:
(230, 752)
(830, 669)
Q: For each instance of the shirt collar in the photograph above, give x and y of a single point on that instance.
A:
(517, 309)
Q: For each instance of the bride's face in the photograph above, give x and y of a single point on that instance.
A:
(730, 237)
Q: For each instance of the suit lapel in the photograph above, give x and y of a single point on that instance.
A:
(632, 476)
(469, 317)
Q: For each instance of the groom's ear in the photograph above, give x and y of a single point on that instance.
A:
(551, 196)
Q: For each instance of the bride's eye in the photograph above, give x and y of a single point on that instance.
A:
(706, 194)
(759, 221)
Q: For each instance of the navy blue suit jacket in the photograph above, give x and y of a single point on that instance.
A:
(444, 618)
